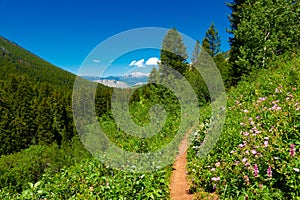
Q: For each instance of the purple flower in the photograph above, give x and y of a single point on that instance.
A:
(255, 170)
(215, 186)
(269, 172)
(244, 160)
(257, 117)
(292, 150)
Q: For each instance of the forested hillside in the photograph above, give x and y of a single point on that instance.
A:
(35, 107)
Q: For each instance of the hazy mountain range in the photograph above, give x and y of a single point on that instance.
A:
(122, 81)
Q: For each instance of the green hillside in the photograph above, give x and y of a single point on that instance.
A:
(257, 155)
(18, 61)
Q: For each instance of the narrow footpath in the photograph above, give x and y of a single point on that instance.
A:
(179, 186)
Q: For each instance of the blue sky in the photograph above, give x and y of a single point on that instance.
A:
(64, 32)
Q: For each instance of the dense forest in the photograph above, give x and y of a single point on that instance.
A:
(256, 157)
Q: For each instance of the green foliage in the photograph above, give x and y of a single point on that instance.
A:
(262, 29)
(262, 123)
(16, 170)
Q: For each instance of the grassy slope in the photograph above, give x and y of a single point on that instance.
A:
(263, 120)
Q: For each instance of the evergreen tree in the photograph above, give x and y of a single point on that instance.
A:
(173, 53)
(196, 53)
(212, 42)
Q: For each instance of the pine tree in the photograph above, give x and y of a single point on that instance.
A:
(196, 53)
(173, 53)
(212, 42)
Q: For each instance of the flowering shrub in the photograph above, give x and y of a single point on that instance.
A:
(257, 155)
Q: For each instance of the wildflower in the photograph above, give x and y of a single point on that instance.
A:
(253, 151)
(257, 131)
(266, 138)
(242, 124)
(245, 111)
(262, 98)
(276, 158)
(250, 119)
(292, 150)
(244, 160)
(296, 169)
(232, 152)
(242, 145)
(258, 117)
(294, 89)
(269, 172)
(218, 164)
(255, 171)
(246, 180)
(266, 143)
(215, 178)
(278, 90)
(246, 133)
(215, 187)
(252, 122)
(213, 169)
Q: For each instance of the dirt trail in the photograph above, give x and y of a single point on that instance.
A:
(179, 187)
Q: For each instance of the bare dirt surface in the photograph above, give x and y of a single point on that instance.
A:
(179, 186)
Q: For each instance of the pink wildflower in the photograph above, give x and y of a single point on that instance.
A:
(269, 172)
(292, 150)
(255, 170)
(246, 133)
(218, 164)
(266, 143)
(253, 151)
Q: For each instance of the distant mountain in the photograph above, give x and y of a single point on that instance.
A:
(127, 80)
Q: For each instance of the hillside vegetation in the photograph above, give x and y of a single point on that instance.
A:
(257, 155)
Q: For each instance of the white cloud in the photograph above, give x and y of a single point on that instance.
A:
(140, 63)
(96, 61)
(152, 61)
(132, 63)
